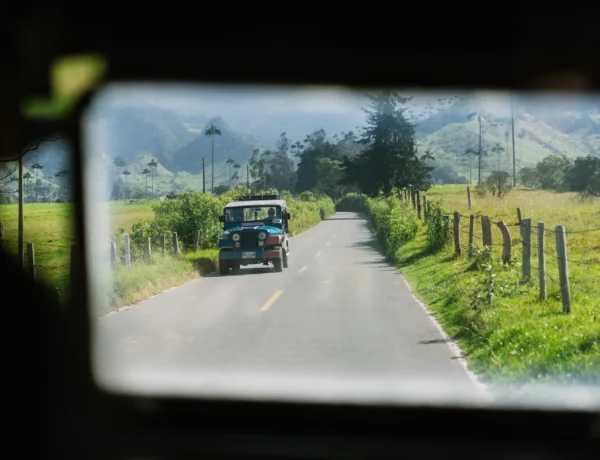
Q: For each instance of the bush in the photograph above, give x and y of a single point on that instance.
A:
(193, 211)
(437, 233)
(396, 223)
(352, 202)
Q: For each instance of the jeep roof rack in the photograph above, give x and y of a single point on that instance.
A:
(256, 197)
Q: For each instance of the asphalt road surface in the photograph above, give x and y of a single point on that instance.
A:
(340, 311)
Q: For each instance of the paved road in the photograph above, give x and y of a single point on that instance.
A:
(339, 316)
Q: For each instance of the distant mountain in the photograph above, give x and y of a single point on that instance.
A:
(134, 131)
(229, 145)
(543, 126)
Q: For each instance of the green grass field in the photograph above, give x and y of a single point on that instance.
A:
(49, 226)
(519, 337)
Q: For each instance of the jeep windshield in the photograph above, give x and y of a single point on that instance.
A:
(252, 213)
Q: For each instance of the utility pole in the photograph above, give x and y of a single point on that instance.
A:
(212, 182)
(21, 200)
(479, 179)
(512, 119)
(203, 177)
(248, 175)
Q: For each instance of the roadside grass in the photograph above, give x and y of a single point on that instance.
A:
(518, 338)
(49, 226)
(138, 282)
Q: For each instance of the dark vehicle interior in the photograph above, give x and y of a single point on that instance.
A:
(535, 50)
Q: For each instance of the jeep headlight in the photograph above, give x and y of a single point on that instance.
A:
(262, 235)
(235, 237)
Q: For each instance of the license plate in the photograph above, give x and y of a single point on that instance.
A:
(248, 255)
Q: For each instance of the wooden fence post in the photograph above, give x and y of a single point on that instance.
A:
(542, 259)
(127, 250)
(563, 268)
(412, 197)
(520, 220)
(425, 213)
(507, 242)
(149, 250)
(471, 233)
(418, 198)
(163, 238)
(175, 244)
(526, 237)
(446, 219)
(469, 196)
(456, 225)
(486, 231)
(1, 234)
(197, 242)
(31, 260)
(113, 255)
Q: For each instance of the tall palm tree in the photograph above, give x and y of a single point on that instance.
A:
(211, 132)
(153, 165)
(230, 162)
(38, 167)
(497, 148)
(126, 173)
(60, 175)
(428, 157)
(236, 174)
(119, 162)
(145, 172)
(470, 152)
(298, 147)
(28, 176)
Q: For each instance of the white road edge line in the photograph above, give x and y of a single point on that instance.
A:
(451, 344)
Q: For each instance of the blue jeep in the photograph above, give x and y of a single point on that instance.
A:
(255, 232)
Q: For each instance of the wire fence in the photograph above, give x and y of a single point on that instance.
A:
(542, 250)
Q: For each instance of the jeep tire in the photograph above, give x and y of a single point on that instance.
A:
(277, 265)
(223, 267)
(235, 266)
(285, 260)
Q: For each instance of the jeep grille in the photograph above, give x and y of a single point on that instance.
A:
(249, 240)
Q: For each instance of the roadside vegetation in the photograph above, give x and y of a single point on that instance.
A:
(507, 334)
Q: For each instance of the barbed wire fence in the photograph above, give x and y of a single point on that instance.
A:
(532, 240)
(121, 249)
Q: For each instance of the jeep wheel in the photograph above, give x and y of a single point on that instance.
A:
(235, 266)
(277, 265)
(223, 267)
(285, 260)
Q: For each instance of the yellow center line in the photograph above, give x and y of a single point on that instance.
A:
(318, 254)
(303, 269)
(271, 301)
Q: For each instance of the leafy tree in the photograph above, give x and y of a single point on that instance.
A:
(330, 175)
(551, 172)
(390, 158)
(428, 157)
(498, 183)
(584, 176)
(529, 177)
(316, 146)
